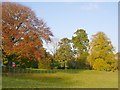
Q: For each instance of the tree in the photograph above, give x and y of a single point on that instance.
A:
(53, 45)
(117, 57)
(22, 32)
(102, 55)
(52, 48)
(80, 45)
(64, 53)
(45, 63)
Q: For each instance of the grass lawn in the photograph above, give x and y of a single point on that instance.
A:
(80, 79)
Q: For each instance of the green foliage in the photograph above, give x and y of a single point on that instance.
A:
(46, 61)
(71, 64)
(80, 44)
(64, 53)
(21, 62)
(102, 55)
(44, 64)
(7, 60)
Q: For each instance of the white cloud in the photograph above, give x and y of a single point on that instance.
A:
(89, 6)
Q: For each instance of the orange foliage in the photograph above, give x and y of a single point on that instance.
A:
(22, 32)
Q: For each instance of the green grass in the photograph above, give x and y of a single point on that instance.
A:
(79, 79)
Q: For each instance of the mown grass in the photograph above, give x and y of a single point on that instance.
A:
(79, 79)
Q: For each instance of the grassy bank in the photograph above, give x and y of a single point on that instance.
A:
(79, 79)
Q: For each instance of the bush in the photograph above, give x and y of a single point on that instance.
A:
(99, 64)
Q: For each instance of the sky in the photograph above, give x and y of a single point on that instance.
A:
(64, 18)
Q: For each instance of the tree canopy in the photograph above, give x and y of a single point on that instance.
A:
(64, 53)
(102, 55)
(22, 32)
(80, 45)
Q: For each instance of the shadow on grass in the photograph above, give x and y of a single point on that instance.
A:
(60, 89)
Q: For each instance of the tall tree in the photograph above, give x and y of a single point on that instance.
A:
(102, 55)
(80, 45)
(64, 53)
(22, 32)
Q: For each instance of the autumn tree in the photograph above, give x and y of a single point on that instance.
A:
(102, 55)
(80, 44)
(118, 59)
(64, 54)
(22, 32)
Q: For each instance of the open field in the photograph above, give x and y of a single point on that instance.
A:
(78, 79)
